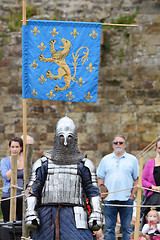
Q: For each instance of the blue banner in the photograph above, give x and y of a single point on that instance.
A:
(60, 60)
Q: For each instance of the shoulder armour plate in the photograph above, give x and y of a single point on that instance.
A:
(48, 154)
(37, 164)
(89, 164)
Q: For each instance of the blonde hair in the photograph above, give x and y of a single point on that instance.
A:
(153, 210)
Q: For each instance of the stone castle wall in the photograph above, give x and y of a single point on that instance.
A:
(129, 78)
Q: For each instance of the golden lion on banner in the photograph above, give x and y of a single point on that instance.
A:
(59, 57)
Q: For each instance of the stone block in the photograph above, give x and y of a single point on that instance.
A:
(134, 40)
(43, 137)
(143, 145)
(100, 137)
(157, 119)
(8, 136)
(38, 109)
(50, 137)
(128, 118)
(149, 137)
(2, 128)
(91, 118)
(150, 40)
(88, 146)
(18, 128)
(7, 109)
(153, 93)
(130, 128)
(10, 129)
(103, 147)
(31, 128)
(141, 128)
(50, 128)
(5, 62)
(41, 128)
(153, 29)
(155, 128)
(93, 128)
(157, 83)
(132, 146)
(150, 50)
(82, 137)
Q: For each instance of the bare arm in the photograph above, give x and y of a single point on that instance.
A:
(19, 166)
(8, 173)
(103, 189)
(100, 181)
(134, 189)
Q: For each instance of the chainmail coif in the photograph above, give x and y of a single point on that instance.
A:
(66, 155)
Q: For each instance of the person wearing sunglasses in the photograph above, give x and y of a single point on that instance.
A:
(118, 171)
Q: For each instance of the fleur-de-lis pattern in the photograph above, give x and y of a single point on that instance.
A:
(54, 33)
(80, 82)
(42, 79)
(34, 65)
(34, 93)
(88, 96)
(90, 68)
(62, 56)
(69, 96)
(93, 34)
(50, 94)
(35, 31)
(75, 33)
(42, 47)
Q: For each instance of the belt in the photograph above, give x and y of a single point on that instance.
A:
(57, 223)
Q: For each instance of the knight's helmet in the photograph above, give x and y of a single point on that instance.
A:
(65, 150)
(65, 130)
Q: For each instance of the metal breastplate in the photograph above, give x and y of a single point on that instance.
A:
(63, 185)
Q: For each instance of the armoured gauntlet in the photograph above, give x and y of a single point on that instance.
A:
(95, 218)
(31, 216)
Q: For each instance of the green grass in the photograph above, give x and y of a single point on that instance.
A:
(121, 54)
(15, 18)
(107, 47)
(123, 19)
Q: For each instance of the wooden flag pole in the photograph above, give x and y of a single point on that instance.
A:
(119, 25)
(13, 200)
(24, 135)
(116, 24)
(24, 101)
(137, 224)
(24, 229)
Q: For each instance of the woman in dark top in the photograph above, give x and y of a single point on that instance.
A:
(16, 148)
(151, 178)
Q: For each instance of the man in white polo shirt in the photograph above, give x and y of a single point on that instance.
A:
(117, 171)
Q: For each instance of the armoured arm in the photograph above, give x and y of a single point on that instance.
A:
(33, 193)
(92, 192)
(32, 220)
(95, 218)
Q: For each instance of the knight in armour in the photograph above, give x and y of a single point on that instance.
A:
(60, 182)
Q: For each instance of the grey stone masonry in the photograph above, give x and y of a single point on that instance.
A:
(129, 77)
